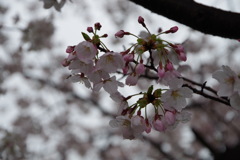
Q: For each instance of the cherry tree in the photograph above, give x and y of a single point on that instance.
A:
(170, 97)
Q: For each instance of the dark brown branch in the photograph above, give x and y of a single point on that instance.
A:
(203, 18)
(196, 91)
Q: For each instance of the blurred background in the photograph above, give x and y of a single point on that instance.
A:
(43, 116)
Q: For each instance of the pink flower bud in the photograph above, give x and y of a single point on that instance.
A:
(97, 26)
(159, 125)
(172, 30)
(105, 35)
(70, 49)
(120, 34)
(169, 66)
(140, 68)
(65, 63)
(131, 80)
(178, 48)
(148, 126)
(90, 29)
(159, 30)
(125, 69)
(128, 57)
(140, 20)
(170, 118)
(182, 56)
(161, 72)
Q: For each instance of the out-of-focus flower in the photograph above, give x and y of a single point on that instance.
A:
(235, 100)
(131, 128)
(80, 79)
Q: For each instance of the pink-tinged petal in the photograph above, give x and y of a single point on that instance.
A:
(159, 125)
(169, 118)
(140, 68)
(161, 72)
(131, 80)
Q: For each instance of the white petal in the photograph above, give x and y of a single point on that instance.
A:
(235, 101)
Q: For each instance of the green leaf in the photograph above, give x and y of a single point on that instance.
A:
(85, 36)
(157, 102)
(150, 89)
(157, 93)
(142, 102)
(140, 41)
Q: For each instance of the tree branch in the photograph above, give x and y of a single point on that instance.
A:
(203, 18)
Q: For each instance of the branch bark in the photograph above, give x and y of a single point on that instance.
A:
(208, 20)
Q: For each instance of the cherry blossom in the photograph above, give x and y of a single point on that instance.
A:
(85, 51)
(132, 79)
(131, 128)
(229, 81)
(110, 62)
(78, 66)
(110, 85)
(176, 96)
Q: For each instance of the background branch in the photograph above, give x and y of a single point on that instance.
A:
(203, 18)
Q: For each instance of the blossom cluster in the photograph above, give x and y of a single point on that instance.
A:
(229, 85)
(93, 64)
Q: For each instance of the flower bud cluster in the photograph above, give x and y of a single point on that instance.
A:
(93, 64)
(91, 68)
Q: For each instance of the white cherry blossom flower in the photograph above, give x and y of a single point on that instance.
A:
(85, 51)
(131, 128)
(229, 81)
(110, 85)
(110, 62)
(176, 96)
(78, 66)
